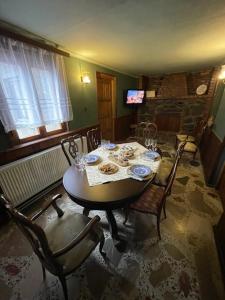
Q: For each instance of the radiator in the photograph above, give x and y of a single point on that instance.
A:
(25, 178)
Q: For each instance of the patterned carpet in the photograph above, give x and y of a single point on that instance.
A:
(183, 265)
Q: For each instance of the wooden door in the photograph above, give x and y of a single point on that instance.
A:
(106, 104)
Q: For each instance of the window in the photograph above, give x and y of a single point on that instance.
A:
(53, 127)
(27, 132)
(24, 133)
(34, 98)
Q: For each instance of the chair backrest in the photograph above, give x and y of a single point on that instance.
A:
(172, 175)
(93, 138)
(199, 130)
(72, 146)
(140, 130)
(152, 130)
(34, 234)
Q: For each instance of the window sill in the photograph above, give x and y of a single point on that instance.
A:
(35, 146)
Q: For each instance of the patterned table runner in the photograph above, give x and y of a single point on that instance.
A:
(95, 177)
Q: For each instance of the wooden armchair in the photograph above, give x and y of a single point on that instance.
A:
(153, 200)
(166, 167)
(152, 130)
(73, 148)
(93, 138)
(64, 244)
(193, 142)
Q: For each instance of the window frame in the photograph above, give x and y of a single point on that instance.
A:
(15, 140)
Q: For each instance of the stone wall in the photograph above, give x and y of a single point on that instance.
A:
(190, 111)
(176, 106)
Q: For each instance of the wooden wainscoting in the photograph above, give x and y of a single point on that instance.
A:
(221, 187)
(168, 121)
(210, 149)
(219, 229)
(122, 126)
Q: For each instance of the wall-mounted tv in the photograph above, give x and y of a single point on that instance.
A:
(134, 97)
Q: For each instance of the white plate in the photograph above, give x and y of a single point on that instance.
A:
(140, 170)
(151, 155)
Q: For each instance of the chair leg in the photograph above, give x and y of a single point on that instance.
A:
(126, 210)
(44, 272)
(64, 286)
(158, 226)
(59, 211)
(194, 154)
(102, 242)
(164, 210)
(86, 211)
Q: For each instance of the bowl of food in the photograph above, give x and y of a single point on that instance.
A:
(108, 168)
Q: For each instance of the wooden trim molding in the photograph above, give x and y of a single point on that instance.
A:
(36, 146)
(221, 187)
(210, 149)
(33, 42)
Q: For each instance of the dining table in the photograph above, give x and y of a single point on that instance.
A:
(94, 191)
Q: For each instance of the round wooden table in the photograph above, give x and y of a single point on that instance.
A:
(107, 196)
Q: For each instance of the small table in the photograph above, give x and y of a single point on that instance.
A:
(107, 196)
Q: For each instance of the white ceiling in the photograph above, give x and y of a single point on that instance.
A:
(136, 37)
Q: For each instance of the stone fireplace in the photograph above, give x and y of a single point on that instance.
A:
(176, 105)
(173, 114)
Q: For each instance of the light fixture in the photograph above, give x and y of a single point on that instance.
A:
(85, 78)
(222, 73)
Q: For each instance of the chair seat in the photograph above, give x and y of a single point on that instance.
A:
(184, 137)
(150, 200)
(163, 172)
(62, 230)
(190, 147)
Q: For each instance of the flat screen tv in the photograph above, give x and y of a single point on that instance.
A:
(134, 97)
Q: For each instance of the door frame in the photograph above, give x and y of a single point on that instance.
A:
(114, 100)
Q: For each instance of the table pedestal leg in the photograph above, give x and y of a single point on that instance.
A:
(112, 225)
(86, 211)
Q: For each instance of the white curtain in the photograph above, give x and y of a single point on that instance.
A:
(33, 86)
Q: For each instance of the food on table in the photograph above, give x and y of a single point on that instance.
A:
(127, 151)
(108, 168)
(120, 160)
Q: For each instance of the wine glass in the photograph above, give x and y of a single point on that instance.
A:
(147, 142)
(79, 162)
(154, 144)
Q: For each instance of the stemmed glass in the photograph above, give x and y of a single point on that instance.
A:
(147, 142)
(79, 162)
(154, 144)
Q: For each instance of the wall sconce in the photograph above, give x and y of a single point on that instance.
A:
(222, 73)
(85, 78)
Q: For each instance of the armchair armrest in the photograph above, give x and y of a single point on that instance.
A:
(46, 206)
(76, 240)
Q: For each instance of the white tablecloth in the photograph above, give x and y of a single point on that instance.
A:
(95, 177)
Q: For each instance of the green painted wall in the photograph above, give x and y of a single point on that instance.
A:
(217, 98)
(84, 97)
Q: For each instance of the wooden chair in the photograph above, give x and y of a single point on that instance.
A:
(64, 244)
(166, 167)
(93, 138)
(153, 200)
(152, 130)
(193, 142)
(73, 148)
(191, 138)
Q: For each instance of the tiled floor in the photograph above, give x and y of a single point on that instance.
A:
(184, 265)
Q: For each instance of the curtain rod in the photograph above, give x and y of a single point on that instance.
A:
(23, 38)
